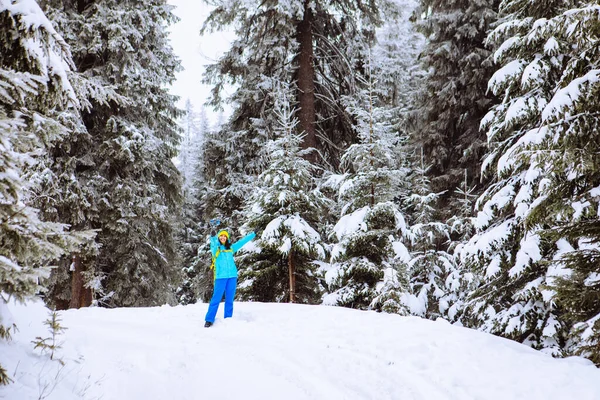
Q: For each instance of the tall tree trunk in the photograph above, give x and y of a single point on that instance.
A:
(292, 273)
(306, 83)
(81, 296)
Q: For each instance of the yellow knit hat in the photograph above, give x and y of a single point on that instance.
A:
(223, 232)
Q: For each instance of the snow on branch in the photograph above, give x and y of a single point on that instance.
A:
(574, 92)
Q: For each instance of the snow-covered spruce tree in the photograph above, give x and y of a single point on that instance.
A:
(432, 270)
(322, 40)
(396, 69)
(193, 128)
(368, 259)
(508, 255)
(35, 89)
(567, 148)
(395, 54)
(453, 98)
(65, 186)
(230, 165)
(123, 45)
(284, 210)
(460, 282)
(254, 59)
(216, 197)
(193, 225)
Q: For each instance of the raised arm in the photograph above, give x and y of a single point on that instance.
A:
(214, 240)
(214, 245)
(240, 243)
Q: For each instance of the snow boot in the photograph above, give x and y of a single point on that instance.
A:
(207, 324)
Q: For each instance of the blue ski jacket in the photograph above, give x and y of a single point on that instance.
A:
(224, 264)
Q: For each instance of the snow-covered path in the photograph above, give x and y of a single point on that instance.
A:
(275, 351)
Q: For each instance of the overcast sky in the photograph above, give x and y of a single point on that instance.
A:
(194, 51)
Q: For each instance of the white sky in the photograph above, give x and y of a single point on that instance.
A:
(194, 52)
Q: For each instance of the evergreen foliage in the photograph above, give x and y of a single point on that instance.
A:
(566, 147)
(35, 89)
(267, 40)
(433, 273)
(4, 378)
(510, 253)
(51, 344)
(285, 209)
(34, 92)
(368, 269)
(7, 326)
(341, 144)
(124, 62)
(229, 174)
(394, 58)
(453, 98)
(193, 228)
(460, 282)
(193, 128)
(272, 46)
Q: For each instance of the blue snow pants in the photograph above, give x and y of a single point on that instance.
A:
(226, 286)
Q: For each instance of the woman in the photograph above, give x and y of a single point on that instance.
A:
(225, 273)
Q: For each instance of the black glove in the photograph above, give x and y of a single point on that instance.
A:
(214, 223)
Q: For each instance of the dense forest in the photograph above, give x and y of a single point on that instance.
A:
(429, 158)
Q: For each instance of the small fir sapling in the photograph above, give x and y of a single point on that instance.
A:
(50, 344)
(7, 327)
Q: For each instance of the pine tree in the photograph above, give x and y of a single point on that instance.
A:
(368, 269)
(188, 148)
(316, 47)
(566, 148)
(193, 224)
(34, 94)
(324, 41)
(66, 184)
(230, 166)
(210, 203)
(509, 255)
(395, 55)
(453, 98)
(460, 282)
(125, 162)
(51, 344)
(285, 210)
(194, 129)
(35, 90)
(433, 272)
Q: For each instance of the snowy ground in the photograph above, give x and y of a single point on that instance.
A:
(276, 351)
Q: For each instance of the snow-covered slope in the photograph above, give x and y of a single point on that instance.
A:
(276, 351)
